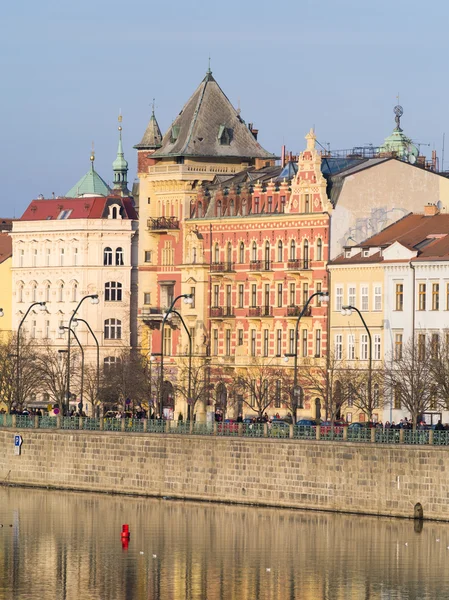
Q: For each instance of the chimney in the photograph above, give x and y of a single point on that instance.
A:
(253, 130)
(430, 210)
(283, 157)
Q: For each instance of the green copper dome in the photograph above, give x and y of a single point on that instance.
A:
(89, 185)
(398, 142)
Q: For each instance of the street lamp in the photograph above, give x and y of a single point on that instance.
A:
(189, 393)
(71, 330)
(41, 307)
(1, 312)
(94, 300)
(188, 299)
(75, 323)
(346, 311)
(297, 396)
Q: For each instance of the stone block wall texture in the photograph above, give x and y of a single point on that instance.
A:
(360, 478)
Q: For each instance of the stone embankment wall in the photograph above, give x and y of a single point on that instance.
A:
(339, 476)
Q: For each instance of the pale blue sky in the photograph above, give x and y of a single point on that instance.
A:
(68, 67)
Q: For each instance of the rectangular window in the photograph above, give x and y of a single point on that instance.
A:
(47, 257)
(377, 297)
(75, 257)
(265, 342)
(34, 257)
(351, 295)
(228, 342)
(147, 298)
(398, 346)
(279, 294)
(215, 342)
(241, 293)
(435, 296)
(364, 346)
(364, 298)
(278, 342)
(292, 294)
(167, 341)
(318, 343)
(147, 257)
(228, 296)
(338, 346)
(377, 347)
(421, 296)
(282, 209)
(291, 341)
(399, 296)
(351, 347)
(253, 295)
(305, 293)
(306, 203)
(61, 257)
(318, 289)
(270, 204)
(216, 295)
(304, 343)
(240, 337)
(192, 293)
(60, 331)
(338, 298)
(421, 346)
(434, 344)
(267, 295)
(253, 342)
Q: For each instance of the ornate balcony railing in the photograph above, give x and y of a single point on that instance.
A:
(221, 312)
(260, 265)
(222, 267)
(299, 264)
(295, 311)
(163, 223)
(260, 311)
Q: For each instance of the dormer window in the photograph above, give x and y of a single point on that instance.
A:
(365, 253)
(224, 135)
(64, 214)
(348, 254)
(174, 133)
(114, 212)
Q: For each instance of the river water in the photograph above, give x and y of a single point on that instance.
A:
(67, 545)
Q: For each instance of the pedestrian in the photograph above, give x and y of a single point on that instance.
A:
(439, 426)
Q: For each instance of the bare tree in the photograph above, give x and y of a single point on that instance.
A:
(125, 379)
(439, 365)
(359, 389)
(257, 384)
(199, 381)
(410, 380)
(16, 391)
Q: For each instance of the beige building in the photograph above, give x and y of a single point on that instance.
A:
(5, 279)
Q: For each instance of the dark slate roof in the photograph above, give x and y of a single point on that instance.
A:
(206, 116)
(152, 138)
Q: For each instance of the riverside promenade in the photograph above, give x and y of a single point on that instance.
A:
(200, 462)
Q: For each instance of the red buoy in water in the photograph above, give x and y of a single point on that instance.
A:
(125, 531)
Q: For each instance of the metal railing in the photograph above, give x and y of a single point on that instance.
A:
(294, 311)
(299, 264)
(260, 265)
(222, 267)
(163, 223)
(220, 312)
(260, 311)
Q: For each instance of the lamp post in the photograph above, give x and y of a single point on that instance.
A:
(297, 390)
(188, 299)
(41, 307)
(70, 330)
(346, 311)
(94, 300)
(189, 393)
(75, 322)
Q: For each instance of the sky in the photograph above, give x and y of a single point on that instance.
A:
(68, 68)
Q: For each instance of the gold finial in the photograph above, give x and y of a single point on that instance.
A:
(120, 119)
(92, 154)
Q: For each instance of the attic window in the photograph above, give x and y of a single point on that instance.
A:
(64, 214)
(174, 133)
(348, 254)
(224, 135)
(366, 253)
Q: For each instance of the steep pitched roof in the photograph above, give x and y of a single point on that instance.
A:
(152, 138)
(91, 184)
(77, 208)
(209, 126)
(5, 247)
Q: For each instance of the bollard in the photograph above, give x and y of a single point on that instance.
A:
(167, 426)
(101, 424)
(59, 421)
(80, 423)
(36, 422)
(240, 429)
(401, 436)
(373, 435)
(14, 420)
(318, 432)
(265, 430)
(291, 433)
(122, 424)
(431, 432)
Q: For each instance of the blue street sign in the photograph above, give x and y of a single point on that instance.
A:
(18, 440)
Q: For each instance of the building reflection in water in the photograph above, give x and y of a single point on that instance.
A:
(68, 546)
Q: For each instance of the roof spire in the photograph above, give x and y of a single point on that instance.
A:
(120, 165)
(92, 156)
(152, 138)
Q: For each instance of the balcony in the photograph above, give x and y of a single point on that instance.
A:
(260, 265)
(221, 312)
(299, 264)
(163, 224)
(222, 267)
(260, 311)
(295, 311)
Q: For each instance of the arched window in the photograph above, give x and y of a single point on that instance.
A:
(33, 292)
(229, 254)
(199, 211)
(267, 255)
(61, 292)
(241, 253)
(74, 292)
(319, 249)
(112, 329)
(35, 257)
(47, 292)
(280, 251)
(20, 294)
(219, 208)
(114, 212)
(119, 257)
(307, 203)
(61, 257)
(306, 254)
(216, 253)
(107, 256)
(292, 250)
(113, 291)
(254, 252)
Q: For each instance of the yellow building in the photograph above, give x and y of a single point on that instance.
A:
(357, 280)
